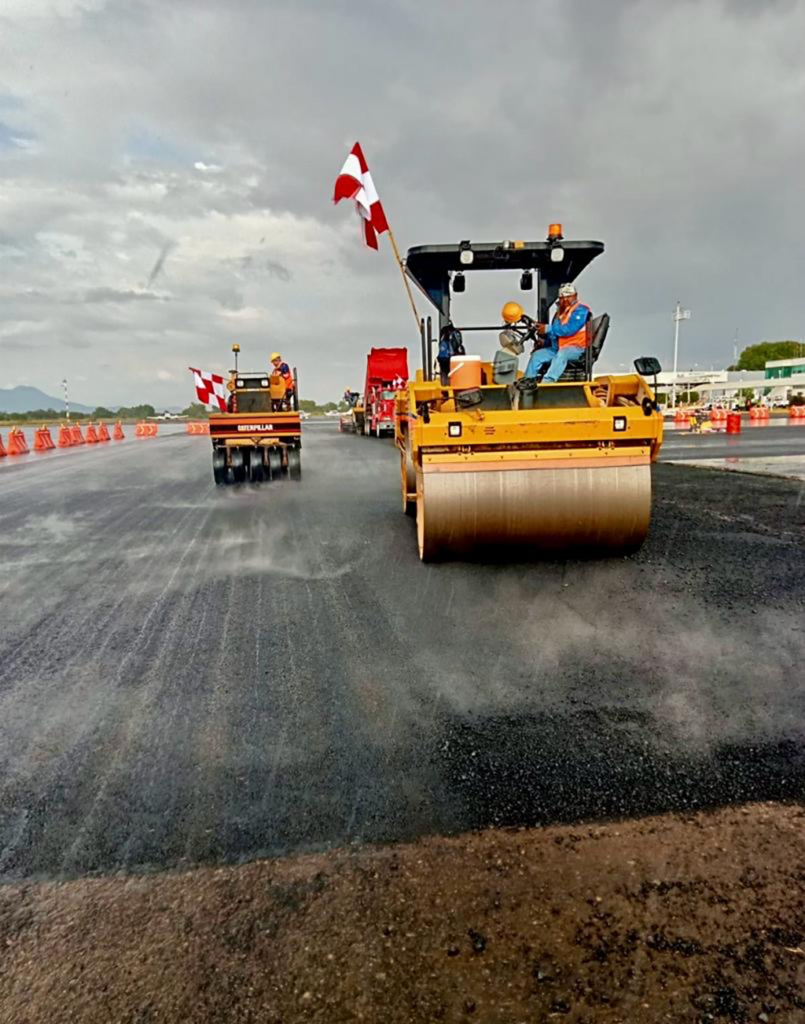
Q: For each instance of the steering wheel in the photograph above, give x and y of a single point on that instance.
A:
(526, 330)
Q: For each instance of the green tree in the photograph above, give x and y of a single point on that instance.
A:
(135, 412)
(195, 411)
(34, 416)
(102, 413)
(755, 357)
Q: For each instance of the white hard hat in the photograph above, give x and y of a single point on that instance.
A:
(567, 289)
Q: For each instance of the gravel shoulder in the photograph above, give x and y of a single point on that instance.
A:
(671, 918)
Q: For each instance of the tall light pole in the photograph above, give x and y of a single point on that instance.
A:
(679, 314)
(66, 402)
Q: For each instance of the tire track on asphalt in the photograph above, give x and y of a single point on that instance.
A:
(91, 745)
(147, 640)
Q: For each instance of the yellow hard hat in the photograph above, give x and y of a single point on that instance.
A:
(275, 355)
(512, 312)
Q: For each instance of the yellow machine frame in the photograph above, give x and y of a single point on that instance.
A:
(618, 428)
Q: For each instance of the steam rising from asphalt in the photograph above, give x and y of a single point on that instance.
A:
(131, 558)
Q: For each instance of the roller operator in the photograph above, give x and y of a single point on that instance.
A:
(281, 369)
(566, 337)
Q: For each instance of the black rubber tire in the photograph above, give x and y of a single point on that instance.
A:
(257, 472)
(294, 464)
(219, 470)
(238, 466)
(274, 463)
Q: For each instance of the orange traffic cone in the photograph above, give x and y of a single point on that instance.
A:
(75, 433)
(118, 434)
(139, 430)
(91, 436)
(154, 428)
(103, 432)
(3, 451)
(40, 443)
(65, 439)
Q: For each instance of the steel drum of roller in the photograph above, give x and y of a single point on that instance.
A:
(538, 511)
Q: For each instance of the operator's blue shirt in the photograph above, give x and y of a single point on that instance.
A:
(578, 318)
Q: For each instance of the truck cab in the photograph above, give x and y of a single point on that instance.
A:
(380, 409)
(386, 374)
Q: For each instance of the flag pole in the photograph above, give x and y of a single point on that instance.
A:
(406, 282)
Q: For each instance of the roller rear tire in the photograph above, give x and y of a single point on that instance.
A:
(238, 468)
(257, 472)
(274, 464)
(219, 470)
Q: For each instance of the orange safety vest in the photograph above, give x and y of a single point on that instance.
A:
(580, 339)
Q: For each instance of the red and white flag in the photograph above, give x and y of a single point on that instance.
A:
(355, 182)
(210, 388)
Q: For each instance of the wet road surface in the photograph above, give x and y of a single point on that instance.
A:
(776, 439)
(197, 675)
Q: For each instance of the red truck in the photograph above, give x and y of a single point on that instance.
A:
(386, 373)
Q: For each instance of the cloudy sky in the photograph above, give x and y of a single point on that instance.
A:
(166, 171)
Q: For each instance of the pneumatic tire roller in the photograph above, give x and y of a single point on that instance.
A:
(259, 438)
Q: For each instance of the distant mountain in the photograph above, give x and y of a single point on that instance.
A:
(24, 399)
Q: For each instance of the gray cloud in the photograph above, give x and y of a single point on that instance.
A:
(670, 131)
(156, 270)
(258, 263)
(230, 299)
(278, 270)
(117, 295)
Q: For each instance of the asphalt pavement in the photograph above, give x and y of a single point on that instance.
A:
(200, 675)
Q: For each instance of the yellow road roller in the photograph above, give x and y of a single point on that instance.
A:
(497, 465)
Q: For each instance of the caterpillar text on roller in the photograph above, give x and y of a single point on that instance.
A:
(259, 437)
(493, 463)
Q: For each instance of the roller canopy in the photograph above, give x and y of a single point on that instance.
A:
(430, 266)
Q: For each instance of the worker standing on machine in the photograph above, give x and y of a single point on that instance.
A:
(566, 338)
(282, 370)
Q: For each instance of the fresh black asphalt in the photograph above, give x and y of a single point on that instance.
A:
(197, 675)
